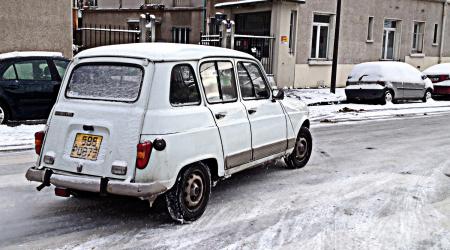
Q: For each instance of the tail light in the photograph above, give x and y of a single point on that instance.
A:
(38, 141)
(144, 151)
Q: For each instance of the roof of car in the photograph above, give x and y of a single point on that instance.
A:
(30, 54)
(162, 51)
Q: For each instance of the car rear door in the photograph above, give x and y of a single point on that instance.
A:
(414, 85)
(219, 84)
(266, 116)
(97, 121)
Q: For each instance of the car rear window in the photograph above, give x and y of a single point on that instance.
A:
(109, 82)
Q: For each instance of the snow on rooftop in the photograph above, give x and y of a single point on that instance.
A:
(30, 54)
(234, 3)
(162, 51)
(438, 69)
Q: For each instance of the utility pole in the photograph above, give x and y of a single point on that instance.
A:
(336, 47)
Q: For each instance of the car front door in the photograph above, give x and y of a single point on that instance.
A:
(267, 118)
(413, 86)
(219, 85)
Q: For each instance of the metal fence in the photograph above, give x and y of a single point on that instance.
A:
(98, 35)
(211, 40)
(260, 47)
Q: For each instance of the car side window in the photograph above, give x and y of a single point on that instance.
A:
(61, 67)
(218, 81)
(33, 70)
(252, 82)
(183, 86)
(9, 73)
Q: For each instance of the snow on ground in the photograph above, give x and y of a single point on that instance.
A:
(17, 138)
(317, 96)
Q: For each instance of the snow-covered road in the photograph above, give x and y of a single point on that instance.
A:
(369, 185)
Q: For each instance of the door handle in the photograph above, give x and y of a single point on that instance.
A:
(220, 115)
(251, 111)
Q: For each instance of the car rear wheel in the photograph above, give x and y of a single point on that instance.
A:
(188, 199)
(302, 150)
(427, 96)
(4, 116)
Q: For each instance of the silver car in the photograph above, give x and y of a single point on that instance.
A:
(387, 82)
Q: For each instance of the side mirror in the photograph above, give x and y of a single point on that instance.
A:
(278, 94)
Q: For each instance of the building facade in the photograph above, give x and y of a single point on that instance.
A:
(178, 21)
(412, 31)
(36, 25)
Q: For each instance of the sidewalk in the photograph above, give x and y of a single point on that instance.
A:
(326, 107)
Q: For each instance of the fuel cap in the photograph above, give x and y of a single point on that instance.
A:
(159, 144)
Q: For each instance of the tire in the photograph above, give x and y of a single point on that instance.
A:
(388, 97)
(4, 114)
(302, 150)
(427, 96)
(188, 198)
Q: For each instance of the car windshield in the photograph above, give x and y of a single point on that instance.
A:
(110, 82)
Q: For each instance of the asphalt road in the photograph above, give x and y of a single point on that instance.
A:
(369, 185)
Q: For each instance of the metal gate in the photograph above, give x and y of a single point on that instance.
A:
(260, 47)
(93, 36)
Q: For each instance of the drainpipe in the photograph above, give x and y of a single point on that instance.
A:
(204, 17)
(444, 20)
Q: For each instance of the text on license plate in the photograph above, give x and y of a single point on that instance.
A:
(86, 146)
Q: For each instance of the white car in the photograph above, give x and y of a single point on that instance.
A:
(144, 120)
(440, 76)
(387, 82)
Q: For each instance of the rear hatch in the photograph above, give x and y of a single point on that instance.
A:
(97, 120)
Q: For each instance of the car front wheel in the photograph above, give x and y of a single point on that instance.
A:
(302, 150)
(427, 96)
(188, 199)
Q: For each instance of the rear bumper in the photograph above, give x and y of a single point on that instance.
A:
(364, 94)
(96, 184)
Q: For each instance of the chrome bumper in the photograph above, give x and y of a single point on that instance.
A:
(96, 184)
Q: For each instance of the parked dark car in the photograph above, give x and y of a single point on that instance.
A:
(440, 76)
(387, 82)
(29, 84)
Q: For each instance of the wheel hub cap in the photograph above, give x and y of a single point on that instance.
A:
(388, 97)
(193, 192)
(302, 148)
(2, 115)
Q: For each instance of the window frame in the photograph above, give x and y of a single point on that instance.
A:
(181, 30)
(215, 61)
(196, 85)
(435, 34)
(387, 30)
(15, 72)
(370, 27)
(417, 43)
(319, 25)
(32, 59)
(263, 76)
(104, 63)
(293, 32)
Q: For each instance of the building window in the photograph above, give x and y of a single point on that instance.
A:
(370, 30)
(417, 42)
(320, 33)
(293, 32)
(180, 35)
(435, 34)
(389, 34)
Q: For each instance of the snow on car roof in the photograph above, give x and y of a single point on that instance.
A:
(30, 54)
(385, 71)
(438, 69)
(162, 51)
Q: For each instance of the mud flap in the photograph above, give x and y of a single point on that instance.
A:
(46, 182)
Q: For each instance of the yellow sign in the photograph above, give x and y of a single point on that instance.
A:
(284, 39)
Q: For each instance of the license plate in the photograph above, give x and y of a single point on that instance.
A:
(86, 146)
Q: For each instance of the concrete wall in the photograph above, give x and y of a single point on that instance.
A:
(354, 47)
(43, 25)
